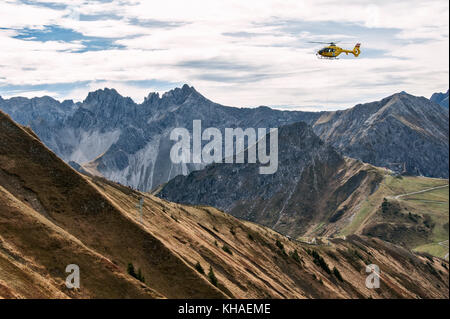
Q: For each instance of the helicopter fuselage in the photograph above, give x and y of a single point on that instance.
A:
(332, 51)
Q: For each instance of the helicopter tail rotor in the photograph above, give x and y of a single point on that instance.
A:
(356, 50)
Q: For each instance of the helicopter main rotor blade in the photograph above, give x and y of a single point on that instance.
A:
(320, 42)
(327, 43)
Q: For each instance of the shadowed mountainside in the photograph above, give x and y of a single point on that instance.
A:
(313, 183)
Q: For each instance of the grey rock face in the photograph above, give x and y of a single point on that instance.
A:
(307, 188)
(405, 133)
(128, 142)
(27, 111)
(441, 99)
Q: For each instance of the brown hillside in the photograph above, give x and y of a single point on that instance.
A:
(51, 216)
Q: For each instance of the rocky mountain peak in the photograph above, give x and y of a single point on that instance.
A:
(68, 103)
(108, 103)
(297, 138)
(399, 129)
(102, 95)
(45, 99)
(180, 95)
(151, 98)
(403, 103)
(441, 99)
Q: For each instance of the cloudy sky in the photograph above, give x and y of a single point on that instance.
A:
(238, 53)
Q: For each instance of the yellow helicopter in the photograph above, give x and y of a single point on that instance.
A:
(332, 51)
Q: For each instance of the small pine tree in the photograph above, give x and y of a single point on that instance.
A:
(212, 276)
(227, 249)
(130, 270)
(279, 244)
(319, 261)
(337, 274)
(139, 276)
(295, 256)
(281, 247)
(199, 268)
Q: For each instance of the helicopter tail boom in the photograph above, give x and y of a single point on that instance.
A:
(356, 50)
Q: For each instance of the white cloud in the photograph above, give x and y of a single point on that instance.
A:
(259, 61)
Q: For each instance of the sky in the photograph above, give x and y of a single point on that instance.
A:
(234, 52)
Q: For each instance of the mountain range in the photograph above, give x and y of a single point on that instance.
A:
(402, 132)
(111, 136)
(52, 216)
(441, 99)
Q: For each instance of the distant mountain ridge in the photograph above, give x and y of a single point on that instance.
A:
(110, 135)
(440, 98)
(405, 133)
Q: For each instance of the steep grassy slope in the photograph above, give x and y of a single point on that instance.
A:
(34, 175)
(411, 211)
(253, 261)
(34, 253)
(51, 216)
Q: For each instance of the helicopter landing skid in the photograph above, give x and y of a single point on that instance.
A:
(326, 58)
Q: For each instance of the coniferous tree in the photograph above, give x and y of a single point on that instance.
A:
(130, 270)
(199, 268)
(212, 276)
